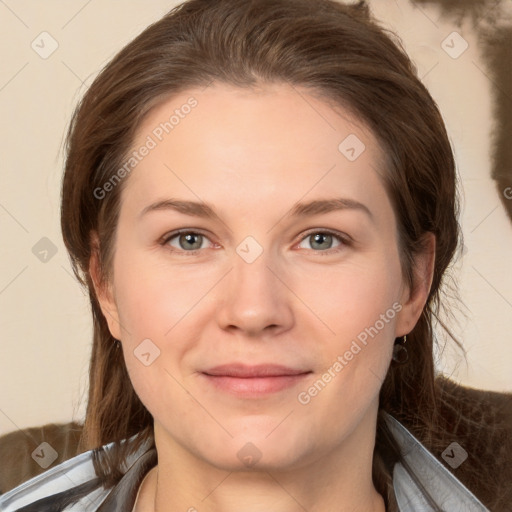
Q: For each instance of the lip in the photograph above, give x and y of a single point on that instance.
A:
(245, 371)
(253, 381)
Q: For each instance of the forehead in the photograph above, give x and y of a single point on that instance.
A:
(278, 141)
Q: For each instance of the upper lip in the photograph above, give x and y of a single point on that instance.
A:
(246, 371)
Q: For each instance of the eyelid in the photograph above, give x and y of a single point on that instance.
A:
(164, 240)
(343, 238)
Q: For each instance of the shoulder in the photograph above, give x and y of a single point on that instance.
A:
(420, 480)
(470, 436)
(29, 452)
(66, 476)
(73, 484)
(480, 423)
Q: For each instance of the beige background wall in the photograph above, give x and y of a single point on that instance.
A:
(44, 315)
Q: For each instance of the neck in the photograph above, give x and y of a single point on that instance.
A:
(340, 481)
(262, 492)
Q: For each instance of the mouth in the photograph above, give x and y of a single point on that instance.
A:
(253, 381)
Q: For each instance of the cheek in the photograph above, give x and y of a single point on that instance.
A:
(160, 311)
(360, 304)
(361, 308)
(353, 296)
(153, 306)
(153, 299)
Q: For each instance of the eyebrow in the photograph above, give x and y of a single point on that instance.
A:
(192, 208)
(204, 210)
(328, 205)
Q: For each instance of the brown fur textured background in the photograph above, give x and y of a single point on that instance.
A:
(492, 22)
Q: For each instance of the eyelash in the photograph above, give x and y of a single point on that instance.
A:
(342, 238)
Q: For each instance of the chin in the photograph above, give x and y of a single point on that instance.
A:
(253, 457)
(256, 447)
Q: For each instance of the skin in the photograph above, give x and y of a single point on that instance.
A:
(252, 155)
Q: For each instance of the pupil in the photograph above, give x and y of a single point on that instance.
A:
(191, 241)
(320, 238)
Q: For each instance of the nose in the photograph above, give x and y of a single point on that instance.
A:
(254, 301)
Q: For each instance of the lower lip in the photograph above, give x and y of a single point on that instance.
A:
(254, 386)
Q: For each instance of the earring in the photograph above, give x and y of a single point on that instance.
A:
(400, 354)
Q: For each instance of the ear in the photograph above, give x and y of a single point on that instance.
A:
(414, 297)
(104, 290)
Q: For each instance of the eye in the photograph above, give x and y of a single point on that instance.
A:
(188, 241)
(322, 241)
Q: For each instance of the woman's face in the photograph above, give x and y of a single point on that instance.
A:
(257, 287)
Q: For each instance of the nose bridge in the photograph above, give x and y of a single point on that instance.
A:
(255, 299)
(253, 276)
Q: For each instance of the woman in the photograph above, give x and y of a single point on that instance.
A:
(261, 199)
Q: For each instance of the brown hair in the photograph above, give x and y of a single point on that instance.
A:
(339, 53)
